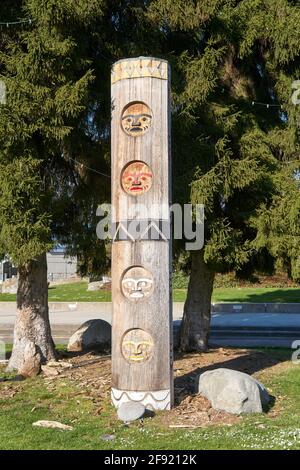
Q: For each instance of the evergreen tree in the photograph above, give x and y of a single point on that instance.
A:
(48, 133)
(227, 153)
(278, 225)
(227, 56)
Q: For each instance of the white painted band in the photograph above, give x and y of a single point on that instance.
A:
(153, 400)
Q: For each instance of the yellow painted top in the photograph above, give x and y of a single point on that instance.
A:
(139, 67)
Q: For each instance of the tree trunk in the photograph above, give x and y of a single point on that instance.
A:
(32, 326)
(197, 308)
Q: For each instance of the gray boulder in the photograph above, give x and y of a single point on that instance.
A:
(92, 335)
(233, 391)
(95, 286)
(130, 411)
(10, 286)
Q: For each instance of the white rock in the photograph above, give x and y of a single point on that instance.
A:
(94, 286)
(10, 286)
(131, 411)
(52, 425)
(49, 371)
(60, 364)
(233, 391)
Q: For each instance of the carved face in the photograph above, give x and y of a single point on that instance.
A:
(136, 178)
(136, 119)
(137, 283)
(137, 346)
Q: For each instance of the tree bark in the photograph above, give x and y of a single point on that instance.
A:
(197, 308)
(32, 326)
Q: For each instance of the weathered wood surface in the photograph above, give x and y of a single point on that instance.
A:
(141, 343)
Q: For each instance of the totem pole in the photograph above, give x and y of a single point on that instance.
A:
(141, 248)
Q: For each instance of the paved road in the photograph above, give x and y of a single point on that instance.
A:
(255, 329)
(228, 329)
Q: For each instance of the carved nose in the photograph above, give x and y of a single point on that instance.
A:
(137, 182)
(137, 123)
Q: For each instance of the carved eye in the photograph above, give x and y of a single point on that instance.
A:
(144, 119)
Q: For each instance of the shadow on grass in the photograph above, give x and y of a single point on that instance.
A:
(250, 363)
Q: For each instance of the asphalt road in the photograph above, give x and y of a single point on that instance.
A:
(227, 329)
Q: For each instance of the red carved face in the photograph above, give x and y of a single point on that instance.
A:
(136, 178)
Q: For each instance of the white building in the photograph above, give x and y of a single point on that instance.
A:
(59, 266)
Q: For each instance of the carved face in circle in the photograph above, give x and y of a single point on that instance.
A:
(137, 283)
(136, 178)
(136, 119)
(137, 346)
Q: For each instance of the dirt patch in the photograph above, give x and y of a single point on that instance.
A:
(92, 374)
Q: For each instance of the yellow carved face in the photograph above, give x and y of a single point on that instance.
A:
(137, 346)
(136, 119)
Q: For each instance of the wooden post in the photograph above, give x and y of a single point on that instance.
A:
(141, 250)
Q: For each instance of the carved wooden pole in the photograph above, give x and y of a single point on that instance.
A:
(141, 251)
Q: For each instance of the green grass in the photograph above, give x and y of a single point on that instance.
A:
(62, 401)
(248, 294)
(77, 292)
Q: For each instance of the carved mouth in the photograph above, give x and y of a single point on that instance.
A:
(136, 129)
(136, 294)
(136, 188)
(136, 358)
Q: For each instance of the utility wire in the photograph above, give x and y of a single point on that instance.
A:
(88, 168)
(11, 23)
(267, 105)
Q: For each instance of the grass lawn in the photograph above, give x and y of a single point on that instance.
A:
(77, 292)
(68, 400)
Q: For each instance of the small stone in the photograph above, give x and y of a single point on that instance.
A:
(52, 425)
(95, 286)
(49, 371)
(10, 286)
(108, 437)
(261, 426)
(60, 364)
(131, 411)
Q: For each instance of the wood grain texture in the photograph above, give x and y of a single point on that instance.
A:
(144, 323)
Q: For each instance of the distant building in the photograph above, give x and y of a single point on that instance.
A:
(59, 266)
(7, 270)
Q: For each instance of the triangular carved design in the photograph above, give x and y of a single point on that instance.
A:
(137, 230)
(142, 67)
